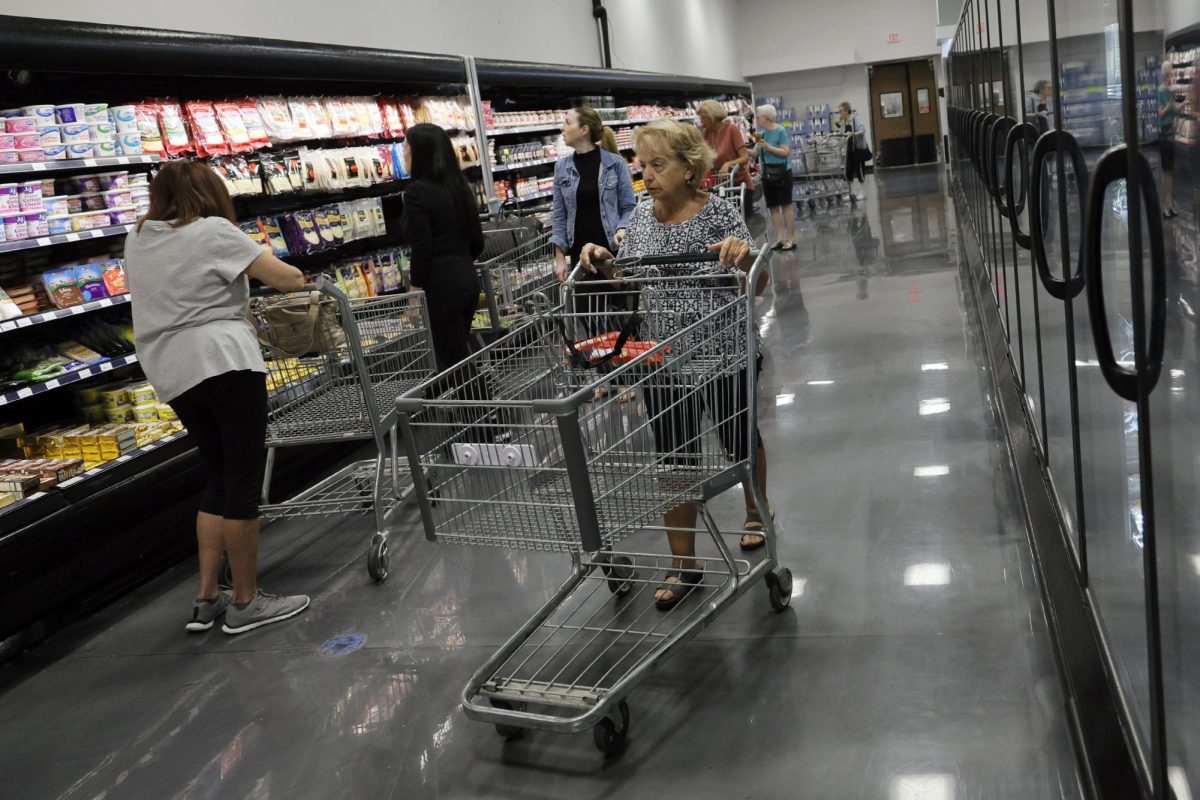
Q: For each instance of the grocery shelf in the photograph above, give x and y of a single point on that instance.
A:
(612, 123)
(68, 378)
(64, 238)
(121, 459)
(523, 164)
(62, 313)
(77, 163)
(531, 197)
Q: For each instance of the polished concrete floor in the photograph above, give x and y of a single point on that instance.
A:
(913, 664)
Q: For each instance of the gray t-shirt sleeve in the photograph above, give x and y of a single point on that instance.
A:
(231, 249)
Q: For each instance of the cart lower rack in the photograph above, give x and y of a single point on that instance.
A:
(534, 443)
(335, 367)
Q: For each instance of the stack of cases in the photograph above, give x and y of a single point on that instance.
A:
(45, 132)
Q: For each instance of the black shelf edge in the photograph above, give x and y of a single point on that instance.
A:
(20, 323)
(67, 379)
(64, 238)
(50, 167)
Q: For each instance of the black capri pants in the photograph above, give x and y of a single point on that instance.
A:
(226, 416)
(677, 417)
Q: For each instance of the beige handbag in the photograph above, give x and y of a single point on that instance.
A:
(299, 327)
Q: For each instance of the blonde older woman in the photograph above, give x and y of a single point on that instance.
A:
(774, 146)
(683, 219)
(727, 143)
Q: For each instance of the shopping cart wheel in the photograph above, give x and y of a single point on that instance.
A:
(509, 732)
(620, 574)
(610, 738)
(779, 583)
(377, 558)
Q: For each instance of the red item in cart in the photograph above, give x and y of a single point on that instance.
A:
(147, 122)
(233, 126)
(206, 130)
(598, 347)
(174, 132)
(254, 123)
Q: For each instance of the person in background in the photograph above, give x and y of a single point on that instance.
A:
(856, 148)
(187, 265)
(684, 219)
(441, 219)
(593, 191)
(1168, 110)
(593, 198)
(774, 148)
(727, 142)
(1037, 105)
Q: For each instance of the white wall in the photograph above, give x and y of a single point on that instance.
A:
(820, 86)
(527, 30)
(791, 35)
(689, 37)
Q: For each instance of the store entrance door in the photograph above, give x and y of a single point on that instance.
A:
(904, 105)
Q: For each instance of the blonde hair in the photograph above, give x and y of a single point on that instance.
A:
(767, 111)
(678, 140)
(598, 132)
(712, 109)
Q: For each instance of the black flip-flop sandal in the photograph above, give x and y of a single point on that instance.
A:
(687, 580)
(752, 526)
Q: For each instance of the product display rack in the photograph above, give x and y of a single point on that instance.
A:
(518, 87)
(130, 502)
(140, 506)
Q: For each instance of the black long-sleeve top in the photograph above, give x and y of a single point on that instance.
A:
(444, 248)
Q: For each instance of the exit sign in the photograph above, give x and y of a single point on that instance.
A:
(893, 38)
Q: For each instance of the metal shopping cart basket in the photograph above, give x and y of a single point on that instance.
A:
(515, 279)
(337, 381)
(522, 449)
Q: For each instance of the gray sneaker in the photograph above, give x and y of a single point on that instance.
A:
(263, 610)
(205, 612)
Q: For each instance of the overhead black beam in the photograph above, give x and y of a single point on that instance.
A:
(522, 74)
(63, 46)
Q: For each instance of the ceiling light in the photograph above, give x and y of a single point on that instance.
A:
(936, 573)
(929, 786)
(932, 471)
(934, 405)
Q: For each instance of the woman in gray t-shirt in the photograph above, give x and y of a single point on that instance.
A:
(187, 266)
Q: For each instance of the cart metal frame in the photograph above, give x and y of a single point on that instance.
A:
(346, 394)
(517, 278)
(557, 481)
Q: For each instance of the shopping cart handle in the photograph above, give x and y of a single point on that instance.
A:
(267, 291)
(622, 262)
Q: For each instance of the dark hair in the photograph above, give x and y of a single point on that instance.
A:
(184, 191)
(434, 161)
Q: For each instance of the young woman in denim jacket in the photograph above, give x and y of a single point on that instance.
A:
(583, 214)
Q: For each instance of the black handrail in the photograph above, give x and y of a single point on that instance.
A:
(1114, 166)
(1028, 135)
(1051, 142)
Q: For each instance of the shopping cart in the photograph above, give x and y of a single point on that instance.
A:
(335, 366)
(531, 447)
(516, 275)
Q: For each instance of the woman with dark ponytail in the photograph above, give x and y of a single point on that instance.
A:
(442, 224)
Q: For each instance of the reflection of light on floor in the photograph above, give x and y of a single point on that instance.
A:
(932, 471)
(1089, 363)
(936, 573)
(784, 399)
(1177, 373)
(1195, 559)
(936, 366)
(820, 383)
(934, 405)
(1177, 777)
(930, 786)
(798, 585)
